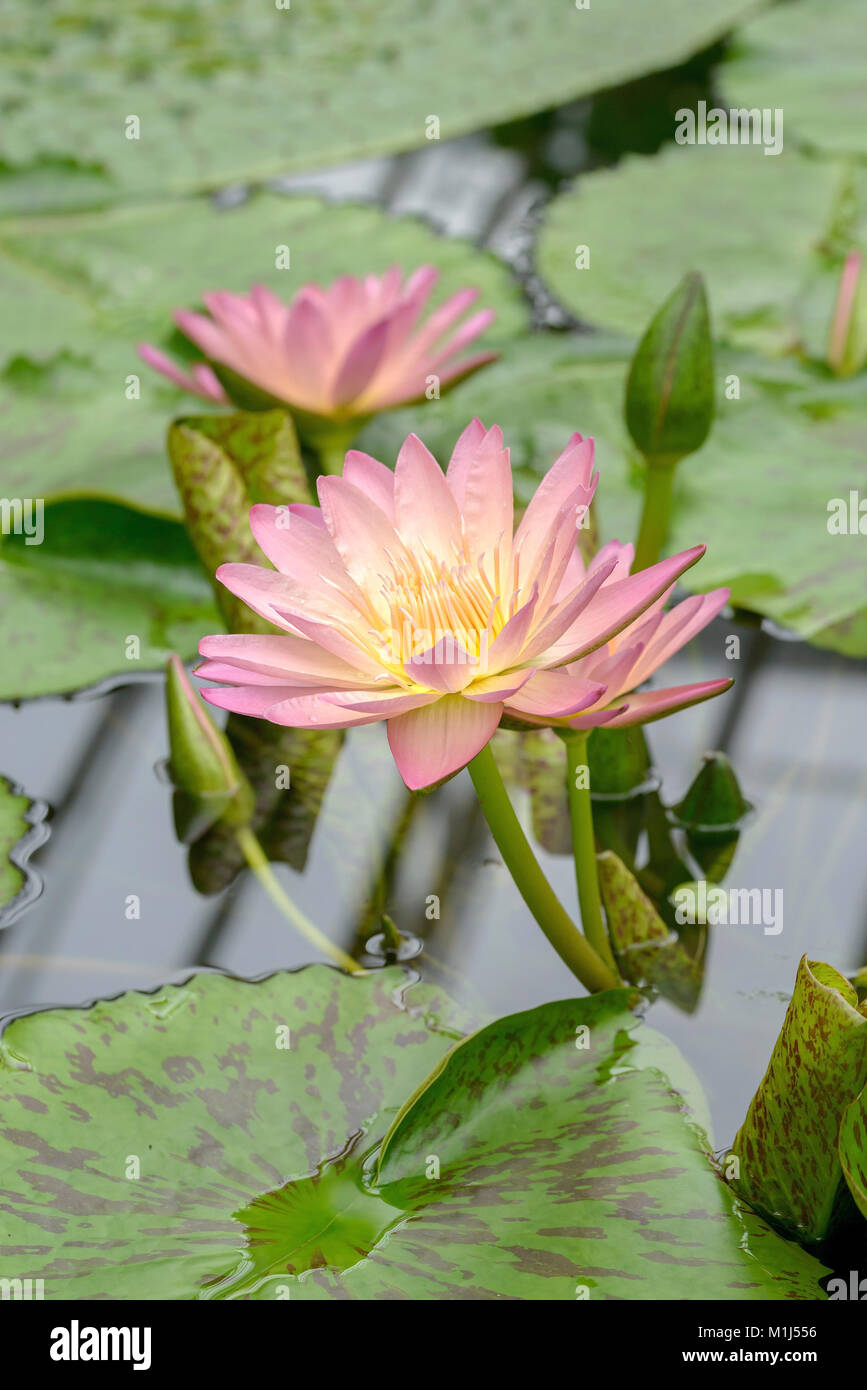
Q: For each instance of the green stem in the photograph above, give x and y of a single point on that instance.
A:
(655, 514)
(261, 866)
(531, 883)
(584, 844)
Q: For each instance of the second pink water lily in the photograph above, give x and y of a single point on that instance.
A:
(338, 353)
(409, 596)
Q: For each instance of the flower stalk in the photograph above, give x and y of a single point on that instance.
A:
(655, 512)
(572, 948)
(584, 843)
(258, 861)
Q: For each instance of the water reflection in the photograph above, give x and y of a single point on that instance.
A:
(795, 738)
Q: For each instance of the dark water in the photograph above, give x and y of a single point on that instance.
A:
(794, 733)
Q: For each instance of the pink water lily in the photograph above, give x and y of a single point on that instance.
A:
(340, 353)
(625, 661)
(409, 596)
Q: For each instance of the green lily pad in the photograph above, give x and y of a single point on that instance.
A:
(755, 227)
(22, 830)
(241, 92)
(109, 593)
(83, 290)
(572, 1171)
(790, 1169)
(805, 58)
(147, 1142)
(757, 493)
(172, 1146)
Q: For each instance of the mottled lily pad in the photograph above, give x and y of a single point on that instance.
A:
(174, 97)
(790, 1168)
(22, 830)
(173, 1146)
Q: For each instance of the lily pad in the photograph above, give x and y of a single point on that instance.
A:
(805, 58)
(109, 593)
(241, 92)
(790, 1169)
(570, 1166)
(173, 1146)
(22, 830)
(147, 1142)
(776, 455)
(755, 227)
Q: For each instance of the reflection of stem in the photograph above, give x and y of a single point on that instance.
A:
(652, 533)
(260, 864)
(584, 844)
(531, 883)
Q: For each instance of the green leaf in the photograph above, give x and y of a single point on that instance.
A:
(247, 91)
(790, 1169)
(558, 1166)
(22, 830)
(670, 387)
(108, 593)
(565, 1167)
(754, 227)
(802, 58)
(758, 494)
(223, 464)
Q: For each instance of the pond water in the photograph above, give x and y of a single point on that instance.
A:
(794, 731)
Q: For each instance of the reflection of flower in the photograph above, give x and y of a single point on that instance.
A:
(626, 661)
(406, 597)
(341, 353)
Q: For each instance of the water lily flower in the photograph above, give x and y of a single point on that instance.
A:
(337, 354)
(625, 661)
(409, 596)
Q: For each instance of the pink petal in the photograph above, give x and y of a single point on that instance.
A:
(363, 535)
(648, 705)
(563, 617)
(432, 742)
(447, 666)
(360, 364)
(571, 472)
(677, 628)
(466, 334)
(507, 648)
(198, 385)
(372, 478)
(295, 658)
(500, 687)
(425, 511)
(555, 694)
(615, 606)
